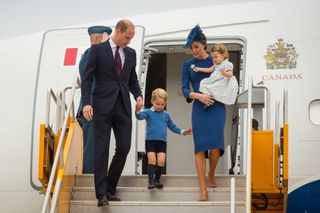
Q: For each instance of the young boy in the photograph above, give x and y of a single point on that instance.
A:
(158, 120)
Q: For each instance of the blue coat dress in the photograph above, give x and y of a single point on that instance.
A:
(207, 122)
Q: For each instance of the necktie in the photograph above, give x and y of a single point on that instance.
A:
(118, 61)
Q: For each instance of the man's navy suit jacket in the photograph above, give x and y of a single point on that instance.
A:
(101, 65)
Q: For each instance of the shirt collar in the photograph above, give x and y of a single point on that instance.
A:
(113, 44)
(155, 110)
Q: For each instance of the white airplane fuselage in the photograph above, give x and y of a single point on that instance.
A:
(267, 43)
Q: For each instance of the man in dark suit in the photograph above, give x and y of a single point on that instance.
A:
(112, 64)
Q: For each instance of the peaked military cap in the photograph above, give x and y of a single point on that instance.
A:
(99, 29)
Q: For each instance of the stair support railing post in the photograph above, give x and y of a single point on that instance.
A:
(58, 112)
(50, 95)
(64, 95)
(47, 121)
(285, 121)
(55, 195)
(276, 140)
(285, 106)
(276, 123)
(56, 158)
(249, 148)
(62, 163)
(233, 195)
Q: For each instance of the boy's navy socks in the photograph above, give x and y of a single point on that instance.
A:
(151, 172)
(158, 173)
(157, 182)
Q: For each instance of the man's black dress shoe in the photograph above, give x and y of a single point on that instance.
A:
(112, 197)
(158, 184)
(103, 201)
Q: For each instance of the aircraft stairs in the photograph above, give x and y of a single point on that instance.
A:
(68, 190)
(180, 195)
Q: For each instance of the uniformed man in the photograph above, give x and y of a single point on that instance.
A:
(97, 35)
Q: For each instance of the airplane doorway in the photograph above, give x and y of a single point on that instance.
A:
(165, 71)
(156, 77)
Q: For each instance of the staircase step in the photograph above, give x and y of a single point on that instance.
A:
(165, 194)
(179, 195)
(223, 181)
(155, 207)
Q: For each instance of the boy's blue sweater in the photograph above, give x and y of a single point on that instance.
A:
(157, 124)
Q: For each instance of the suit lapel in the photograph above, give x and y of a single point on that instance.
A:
(109, 53)
(110, 57)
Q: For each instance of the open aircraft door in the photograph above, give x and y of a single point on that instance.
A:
(60, 53)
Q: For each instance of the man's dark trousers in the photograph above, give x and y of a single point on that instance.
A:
(121, 123)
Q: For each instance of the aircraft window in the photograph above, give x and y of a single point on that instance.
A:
(314, 112)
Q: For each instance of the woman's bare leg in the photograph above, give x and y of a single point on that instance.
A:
(213, 161)
(201, 170)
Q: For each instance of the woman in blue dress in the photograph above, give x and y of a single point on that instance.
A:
(208, 116)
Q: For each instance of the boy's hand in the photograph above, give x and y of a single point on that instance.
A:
(187, 131)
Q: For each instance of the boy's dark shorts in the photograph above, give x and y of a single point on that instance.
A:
(156, 146)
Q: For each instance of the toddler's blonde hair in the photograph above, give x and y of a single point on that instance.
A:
(220, 48)
(159, 93)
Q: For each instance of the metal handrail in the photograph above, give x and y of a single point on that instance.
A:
(276, 137)
(59, 99)
(62, 114)
(285, 106)
(57, 156)
(285, 121)
(59, 111)
(50, 95)
(268, 102)
(64, 97)
(249, 147)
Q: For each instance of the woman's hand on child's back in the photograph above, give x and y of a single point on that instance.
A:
(205, 99)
